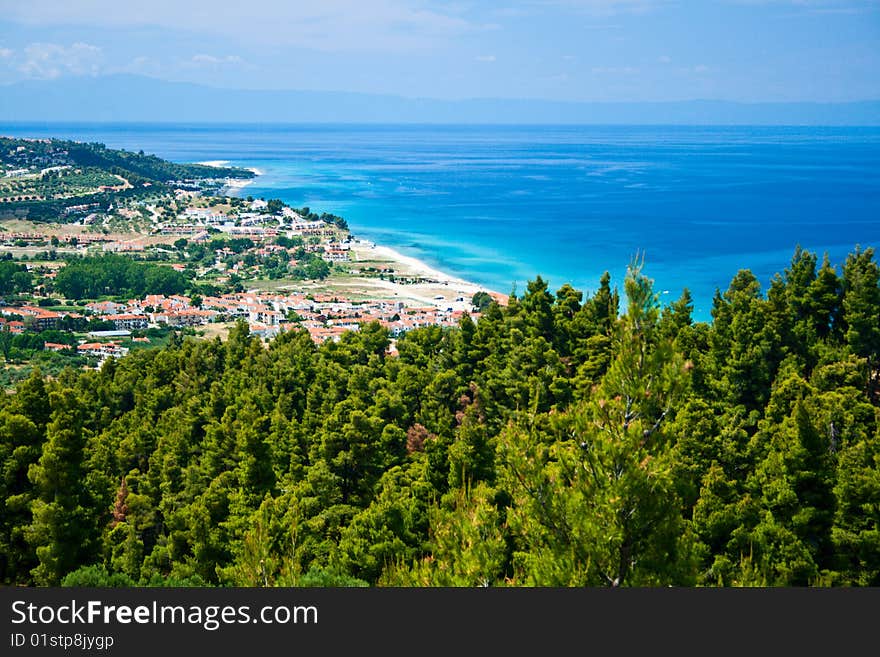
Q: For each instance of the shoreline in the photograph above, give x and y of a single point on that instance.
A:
(233, 184)
(439, 289)
(410, 262)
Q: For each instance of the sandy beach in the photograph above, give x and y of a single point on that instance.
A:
(435, 288)
(232, 184)
(370, 251)
(235, 184)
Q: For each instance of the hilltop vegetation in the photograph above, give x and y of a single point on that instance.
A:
(142, 167)
(45, 177)
(555, 442)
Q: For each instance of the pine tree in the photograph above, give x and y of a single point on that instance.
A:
(861, 310)
(20, 447)
(62, 527)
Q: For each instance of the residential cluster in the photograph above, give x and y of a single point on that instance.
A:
(322, 315)
(216, 242)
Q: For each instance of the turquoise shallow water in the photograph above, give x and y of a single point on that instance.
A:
(501, 205)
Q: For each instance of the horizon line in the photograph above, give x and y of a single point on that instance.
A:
(458, 124)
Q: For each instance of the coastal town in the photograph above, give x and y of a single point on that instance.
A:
(324, 316)
(207, 257)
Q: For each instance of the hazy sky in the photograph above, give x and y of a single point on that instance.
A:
(624, 50)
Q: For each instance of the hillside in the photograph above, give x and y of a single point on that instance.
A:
(554, 442)
(42, 179)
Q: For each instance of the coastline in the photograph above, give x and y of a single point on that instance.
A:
(367, 249)
(433, 288)
(233, 184)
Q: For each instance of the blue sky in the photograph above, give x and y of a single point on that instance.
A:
(579, 50)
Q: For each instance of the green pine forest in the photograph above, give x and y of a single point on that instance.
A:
(560, 440)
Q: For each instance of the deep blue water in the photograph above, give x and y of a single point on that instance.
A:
(501, 205)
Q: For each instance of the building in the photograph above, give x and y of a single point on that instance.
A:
(335, 253)
(129, 321)
(120, 247)
(102, 349)
(104, 307)
(56, 346)
(121, 333)
(41, 318)
(188, 317)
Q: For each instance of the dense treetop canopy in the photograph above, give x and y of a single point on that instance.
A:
(558, 441)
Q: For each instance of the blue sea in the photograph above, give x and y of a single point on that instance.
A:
(500, 205)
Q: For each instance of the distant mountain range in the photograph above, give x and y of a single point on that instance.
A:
(129, 98)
